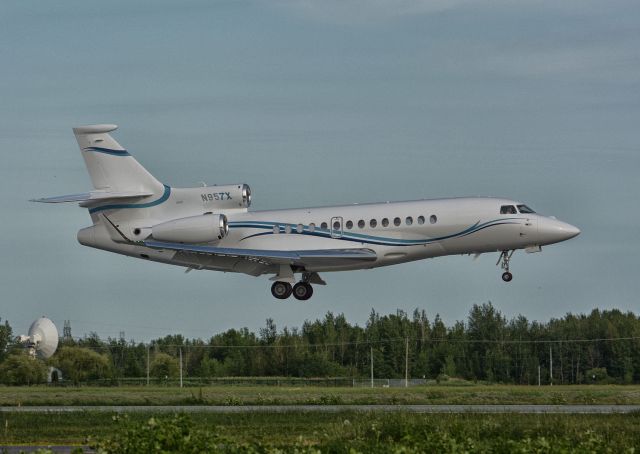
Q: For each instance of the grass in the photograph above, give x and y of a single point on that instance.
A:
(265, 395)
(362, 432)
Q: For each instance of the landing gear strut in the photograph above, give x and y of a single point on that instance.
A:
(503, 261)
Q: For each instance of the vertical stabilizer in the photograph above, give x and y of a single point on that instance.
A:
(110, 166)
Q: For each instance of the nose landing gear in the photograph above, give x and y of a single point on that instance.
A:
(503, 261)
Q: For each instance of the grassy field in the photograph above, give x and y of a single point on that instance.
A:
(264, 395)
(358, 432)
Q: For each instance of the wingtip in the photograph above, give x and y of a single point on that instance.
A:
(94, 129)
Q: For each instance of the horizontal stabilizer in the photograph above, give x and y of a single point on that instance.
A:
(303, 257)
(93, 196)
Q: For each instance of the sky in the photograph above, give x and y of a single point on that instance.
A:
(321, 102)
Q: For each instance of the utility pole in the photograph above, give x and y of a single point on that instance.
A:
(148, 347)
(538, 374)
(181, 367)
(550, 367)
(406, 363)
(371, 366)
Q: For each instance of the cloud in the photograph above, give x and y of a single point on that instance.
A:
(589, 61)
(366, 11)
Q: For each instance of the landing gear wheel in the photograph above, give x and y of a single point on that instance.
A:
(281, 290)
(507, 276)
(302, 291)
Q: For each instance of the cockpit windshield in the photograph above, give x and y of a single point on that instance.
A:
(508, 209)
(525, 209)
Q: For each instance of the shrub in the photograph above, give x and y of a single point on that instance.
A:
(21, 369)
(161, 435)
(82, 364)
(164, 366)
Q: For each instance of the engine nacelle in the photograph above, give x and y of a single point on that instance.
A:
(226, 197)
(206, 228)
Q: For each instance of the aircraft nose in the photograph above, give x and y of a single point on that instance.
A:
(570, 231)
(554, 231)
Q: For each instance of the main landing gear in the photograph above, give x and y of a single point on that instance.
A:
(283, 290)
(503, 261)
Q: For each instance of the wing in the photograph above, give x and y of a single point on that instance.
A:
(93, 196)
(276, 257)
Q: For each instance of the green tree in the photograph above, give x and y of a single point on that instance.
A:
(21, 369)
(164, 366)
(80, 364)
(6, 336)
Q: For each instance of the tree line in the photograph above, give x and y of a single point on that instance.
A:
(603, 346)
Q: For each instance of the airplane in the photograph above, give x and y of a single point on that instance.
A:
(212, 228)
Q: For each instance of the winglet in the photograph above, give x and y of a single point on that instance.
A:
(94, 129)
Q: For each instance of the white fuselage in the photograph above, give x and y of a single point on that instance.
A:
(397, 231)
(134, 214)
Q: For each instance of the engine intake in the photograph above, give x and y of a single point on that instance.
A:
(206, 228)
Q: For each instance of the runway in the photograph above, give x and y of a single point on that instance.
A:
(523, 409)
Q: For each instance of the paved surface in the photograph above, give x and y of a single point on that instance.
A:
(58, 449)
(593, 409)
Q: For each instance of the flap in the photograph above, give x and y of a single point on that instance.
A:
(300, 257)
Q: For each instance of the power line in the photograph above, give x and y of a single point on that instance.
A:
(382, 341)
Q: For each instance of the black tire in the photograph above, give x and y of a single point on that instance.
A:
(281, 290)
(302, 291)
(507, 276)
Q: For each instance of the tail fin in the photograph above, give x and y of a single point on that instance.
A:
(110, 166)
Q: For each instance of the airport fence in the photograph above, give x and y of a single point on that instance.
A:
(221, 381)
(322, 382)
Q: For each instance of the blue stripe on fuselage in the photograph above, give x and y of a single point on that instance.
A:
(362, 238)
(122, 206)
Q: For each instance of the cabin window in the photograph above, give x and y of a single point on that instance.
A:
(312, 227)
(323, 225)
(409, 220)
(525, 209)
(433, 219)
(336, 225)
(361, 224)
(300, 228)
(420, 220)
(385, 222)
(287, 229)
(373, 223)
(508, 209)
(397, 222)
(349, 225)
(276, 228)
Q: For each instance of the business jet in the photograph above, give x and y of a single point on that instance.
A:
(211, 227)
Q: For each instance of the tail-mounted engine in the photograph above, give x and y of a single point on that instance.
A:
(226, 197)
(206, 228)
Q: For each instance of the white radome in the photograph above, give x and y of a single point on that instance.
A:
(44, 335)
